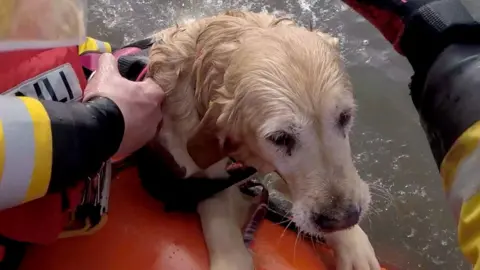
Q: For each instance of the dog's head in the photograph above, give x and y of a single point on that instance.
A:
(281, 101)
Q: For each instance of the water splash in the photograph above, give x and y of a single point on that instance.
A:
(381, 160)
(118, 18)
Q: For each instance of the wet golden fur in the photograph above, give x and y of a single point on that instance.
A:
(240, 77)
(193, 59)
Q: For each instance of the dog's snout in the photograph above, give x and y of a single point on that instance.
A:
(338, 220)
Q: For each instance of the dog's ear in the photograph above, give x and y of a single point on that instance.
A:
(172, 51)
(205, 147)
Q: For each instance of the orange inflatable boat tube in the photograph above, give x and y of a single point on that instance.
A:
(139, 235)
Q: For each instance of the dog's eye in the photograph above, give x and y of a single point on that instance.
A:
(284, 140)
(344, 118)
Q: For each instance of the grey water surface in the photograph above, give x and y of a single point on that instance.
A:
(411, 226)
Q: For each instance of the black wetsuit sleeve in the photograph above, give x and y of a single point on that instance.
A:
(84, 135)
(449, 100)
(441, 40)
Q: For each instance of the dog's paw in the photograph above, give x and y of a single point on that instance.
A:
(353, 250)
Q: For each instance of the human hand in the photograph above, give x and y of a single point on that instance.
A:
(139, 102)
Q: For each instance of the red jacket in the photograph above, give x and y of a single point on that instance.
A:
(40, 221)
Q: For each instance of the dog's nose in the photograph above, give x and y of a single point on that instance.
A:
(332, 223)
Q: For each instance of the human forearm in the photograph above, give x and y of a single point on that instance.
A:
(441, 41)
(450, 113)
(46, 146)
(83, 135)
(420, 29)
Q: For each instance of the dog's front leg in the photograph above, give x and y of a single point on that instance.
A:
(353, 249)
(222, 217)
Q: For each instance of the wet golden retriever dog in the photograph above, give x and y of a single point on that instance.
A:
(273, 96)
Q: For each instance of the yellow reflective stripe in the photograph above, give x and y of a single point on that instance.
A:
(469, 230)
(460, 171)
(2, 150)
(19, 151)
(27, 151)
(93, 45)
(43, 150)
(88, 46)
(462, 148)
(108, 47)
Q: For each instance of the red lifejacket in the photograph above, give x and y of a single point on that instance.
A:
(40, 221)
